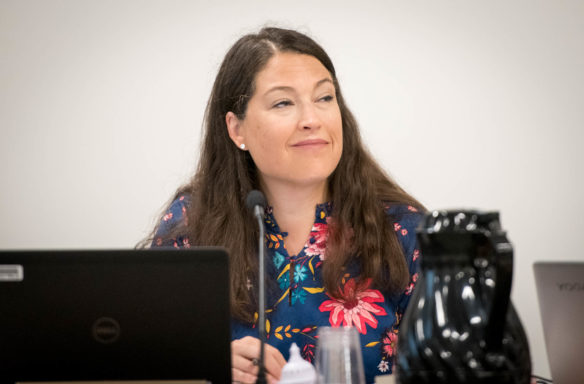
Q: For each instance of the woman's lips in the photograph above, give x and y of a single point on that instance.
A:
(310, 143)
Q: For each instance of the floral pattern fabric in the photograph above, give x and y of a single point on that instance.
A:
(298, 304)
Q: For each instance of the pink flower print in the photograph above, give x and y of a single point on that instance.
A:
(167, 217)
(356, 308)
(404, 232)
(389, 343)
(412, 209)
(416, 254)
(410, 289)
(396, 227)
(317, 241)
(412, 284)
(308, 352)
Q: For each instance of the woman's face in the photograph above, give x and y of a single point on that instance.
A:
(292, 127)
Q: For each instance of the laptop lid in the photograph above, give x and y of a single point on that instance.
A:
(114, 315)
(560, 291)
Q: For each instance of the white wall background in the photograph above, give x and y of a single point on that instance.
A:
(467, 104)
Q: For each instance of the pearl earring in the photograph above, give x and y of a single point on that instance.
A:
(242, 146)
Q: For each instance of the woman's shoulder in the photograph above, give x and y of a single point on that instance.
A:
(403, 215)
(177, 210)
(175, 217)
(405, 219)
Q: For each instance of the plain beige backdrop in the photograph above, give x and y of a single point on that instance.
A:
(474, 104)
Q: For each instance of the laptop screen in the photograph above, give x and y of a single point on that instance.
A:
(115, 315)
(560, 291)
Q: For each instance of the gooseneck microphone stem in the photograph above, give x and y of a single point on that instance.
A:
(256, 202)
(262, 297)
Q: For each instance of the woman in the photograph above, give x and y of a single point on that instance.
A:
(340, 233)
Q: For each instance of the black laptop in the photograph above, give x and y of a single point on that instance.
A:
(123, 315)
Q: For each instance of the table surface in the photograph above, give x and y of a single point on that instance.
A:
(385, 379)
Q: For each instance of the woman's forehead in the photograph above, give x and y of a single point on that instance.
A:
(286, 68)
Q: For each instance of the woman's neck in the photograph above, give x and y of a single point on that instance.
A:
(293, 208)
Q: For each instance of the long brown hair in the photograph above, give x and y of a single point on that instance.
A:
(358, 187)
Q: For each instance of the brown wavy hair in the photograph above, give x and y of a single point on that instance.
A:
(358, 187)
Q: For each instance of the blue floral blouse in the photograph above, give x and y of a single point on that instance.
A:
(300, 304)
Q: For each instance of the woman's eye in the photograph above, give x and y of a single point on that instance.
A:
(282, 104)
(326, 98)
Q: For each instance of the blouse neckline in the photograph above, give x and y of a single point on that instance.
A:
(321, 212)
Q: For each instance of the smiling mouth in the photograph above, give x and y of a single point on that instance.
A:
(311, 143)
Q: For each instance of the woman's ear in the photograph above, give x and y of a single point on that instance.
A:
(234, 129)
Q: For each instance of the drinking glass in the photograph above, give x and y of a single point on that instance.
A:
(338, 356)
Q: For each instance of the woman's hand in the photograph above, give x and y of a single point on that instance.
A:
(245, 354)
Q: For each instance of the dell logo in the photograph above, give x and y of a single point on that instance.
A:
(570, 287)
(106, 330)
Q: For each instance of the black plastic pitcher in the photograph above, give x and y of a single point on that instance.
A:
(460, 326)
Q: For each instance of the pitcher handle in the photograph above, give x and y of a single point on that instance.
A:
(503, 253)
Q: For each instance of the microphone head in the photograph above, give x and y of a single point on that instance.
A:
(255, 198)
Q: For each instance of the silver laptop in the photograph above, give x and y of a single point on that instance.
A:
(560, 290)
(114, 315)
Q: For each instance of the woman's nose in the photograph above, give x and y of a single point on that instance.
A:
(309, 118)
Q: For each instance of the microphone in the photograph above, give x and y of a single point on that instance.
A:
(256, 202)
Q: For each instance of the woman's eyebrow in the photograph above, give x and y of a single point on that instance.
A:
(323, 81)
(291, 89)
(279, 88)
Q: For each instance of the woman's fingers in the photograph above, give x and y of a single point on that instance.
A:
(272, 379)
(244, 364)
(279, 357)
(242, 354)
(247, 347)
(239, 376)
(274, 361)
(245, 353)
